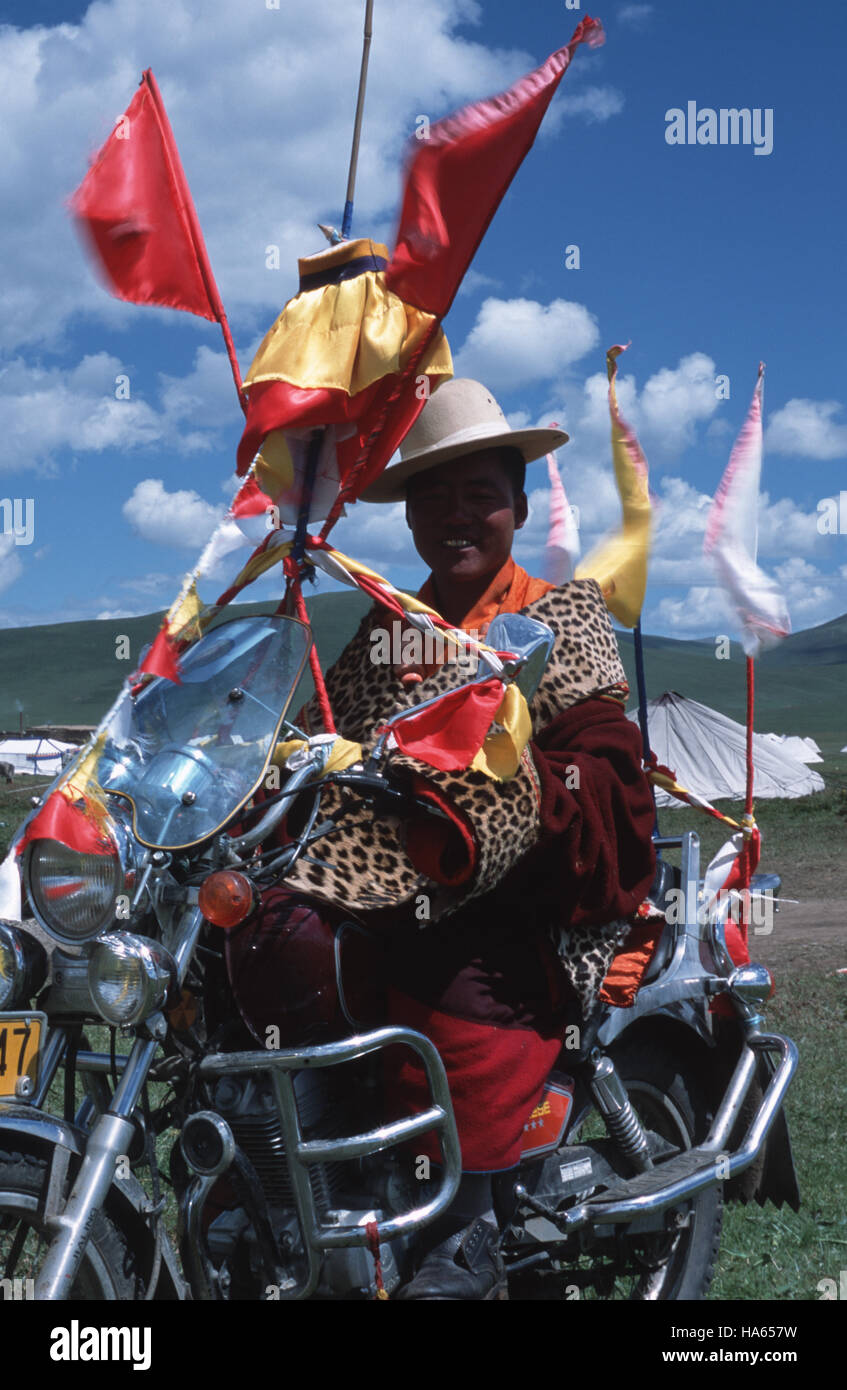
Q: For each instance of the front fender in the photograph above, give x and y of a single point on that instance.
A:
(26, 1130)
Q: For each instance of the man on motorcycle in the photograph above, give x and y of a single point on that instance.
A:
(494, 979)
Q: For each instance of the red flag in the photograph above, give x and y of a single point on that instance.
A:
(250, 500)
(454, 184)
(74, 821)
(449, 734)
(457, 178)
(162, 659)
(136, 209)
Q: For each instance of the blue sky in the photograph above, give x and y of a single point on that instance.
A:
(707, 257)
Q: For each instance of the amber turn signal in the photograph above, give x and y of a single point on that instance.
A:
(226, 898)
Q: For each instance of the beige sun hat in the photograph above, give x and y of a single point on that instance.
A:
(461, 417)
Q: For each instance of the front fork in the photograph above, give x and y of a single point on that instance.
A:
(110, 1137)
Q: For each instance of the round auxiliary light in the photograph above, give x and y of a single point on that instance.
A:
(226, 898)
(752, 983)
(129, 977)
(22, 967)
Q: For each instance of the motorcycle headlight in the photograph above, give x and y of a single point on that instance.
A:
(23, 967)
(129, 977)
(74, 895)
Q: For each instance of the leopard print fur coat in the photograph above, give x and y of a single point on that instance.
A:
(363, 864)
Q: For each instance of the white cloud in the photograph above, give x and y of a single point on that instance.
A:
(216, 62)
(594, 103)
(518, 419)
(812, 597)
(703, 610)
(635, 15)
(151, 584)
(675, 399)
(107, 614)
(377, 534)
(665, 413)
(679, 524)
(180, 519)
(475, 280)
(205, 395)
(807, 429)
(593, 491)
(785, 529)
(10, 561)
(46, 410)
(516, 342)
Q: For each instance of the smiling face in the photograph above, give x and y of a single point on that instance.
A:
(463, 515)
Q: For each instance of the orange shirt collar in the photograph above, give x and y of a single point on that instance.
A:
(510, 590)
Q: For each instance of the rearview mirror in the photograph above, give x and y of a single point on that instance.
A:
(529, 644)
(530, 641)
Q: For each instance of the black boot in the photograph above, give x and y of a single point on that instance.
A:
(468, 1264)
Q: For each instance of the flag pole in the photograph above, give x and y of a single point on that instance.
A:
(347, 221)
(643, 724)
(196, 233)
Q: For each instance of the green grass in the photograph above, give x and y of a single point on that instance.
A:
(98, 1041)
(765, 1253)
(772, 1254)
(15, 803)
(802, 840)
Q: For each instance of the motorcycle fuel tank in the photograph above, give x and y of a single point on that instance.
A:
(304, 969)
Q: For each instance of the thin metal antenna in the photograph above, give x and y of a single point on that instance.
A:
(347, 221)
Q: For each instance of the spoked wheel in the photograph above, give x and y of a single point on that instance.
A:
(107, 1271)
(674, 1265)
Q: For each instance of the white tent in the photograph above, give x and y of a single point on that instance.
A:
(707, 751)
(42, 757)
(803, 750)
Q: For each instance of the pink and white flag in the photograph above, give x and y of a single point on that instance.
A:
(562, 549)
(732, 539)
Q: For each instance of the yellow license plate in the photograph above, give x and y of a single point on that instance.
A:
(20, 1042)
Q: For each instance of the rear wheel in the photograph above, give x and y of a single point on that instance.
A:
(108, 1270)
(663, 1266)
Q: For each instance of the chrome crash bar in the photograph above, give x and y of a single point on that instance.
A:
(668, 1184)
(300, 1153)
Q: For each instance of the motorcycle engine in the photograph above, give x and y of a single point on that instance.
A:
(247, 1104)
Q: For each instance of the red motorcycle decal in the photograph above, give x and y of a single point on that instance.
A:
(545, 1127)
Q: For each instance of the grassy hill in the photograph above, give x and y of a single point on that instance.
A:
(800, 685)
(68, 673)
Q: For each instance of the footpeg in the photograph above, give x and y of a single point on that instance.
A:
(685, 1165)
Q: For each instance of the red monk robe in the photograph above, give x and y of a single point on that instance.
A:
(485, 985)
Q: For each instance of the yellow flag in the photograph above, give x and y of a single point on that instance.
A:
(500, 755)
(619, 564)
(183, 618)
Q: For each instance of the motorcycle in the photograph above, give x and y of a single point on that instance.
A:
(257, 1055)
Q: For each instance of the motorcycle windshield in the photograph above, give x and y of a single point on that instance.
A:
(194, 753)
